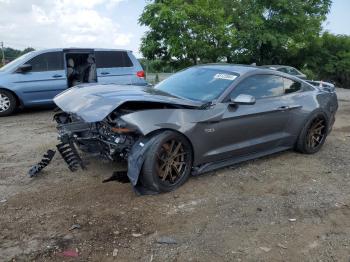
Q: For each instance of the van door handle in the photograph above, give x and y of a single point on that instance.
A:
(56, 76)
(283, 108)
(105, 73)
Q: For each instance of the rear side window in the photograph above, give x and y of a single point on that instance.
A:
(47, 62)
(293, 71)
(260, 86)
(109, 59)
(283, 69)
(291, 86)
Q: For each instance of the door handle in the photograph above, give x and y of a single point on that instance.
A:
(283, 108)
(105, 73)
(56, 76)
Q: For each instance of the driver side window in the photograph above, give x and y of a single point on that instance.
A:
(47, 62)
(259, 86)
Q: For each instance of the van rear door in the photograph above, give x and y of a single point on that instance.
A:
(113, 67)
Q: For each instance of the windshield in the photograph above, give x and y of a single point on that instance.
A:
(198, 83)
(17, 60)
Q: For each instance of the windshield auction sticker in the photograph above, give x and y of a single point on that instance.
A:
(225, 77)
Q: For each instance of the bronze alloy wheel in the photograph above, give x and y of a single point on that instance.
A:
(316, 133)
(172, 161)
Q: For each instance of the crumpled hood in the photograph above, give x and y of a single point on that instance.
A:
(93, 103)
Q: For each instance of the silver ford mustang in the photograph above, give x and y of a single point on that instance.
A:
(198, 120)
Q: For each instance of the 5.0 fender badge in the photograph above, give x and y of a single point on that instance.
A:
(209, 130)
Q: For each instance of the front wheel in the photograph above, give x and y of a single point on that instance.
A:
(168, 162)
(313, 135)
(7, 103)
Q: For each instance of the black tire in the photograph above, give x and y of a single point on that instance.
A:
(8, 103)
(159, 172)
(308, 142)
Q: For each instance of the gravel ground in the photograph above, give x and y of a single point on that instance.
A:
(285, 207)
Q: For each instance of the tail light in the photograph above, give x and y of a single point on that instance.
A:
(140, 74)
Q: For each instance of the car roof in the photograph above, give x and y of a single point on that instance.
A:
(235, 68)
(40, 51)
(275, 66)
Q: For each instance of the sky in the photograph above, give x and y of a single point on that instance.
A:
(97, 23)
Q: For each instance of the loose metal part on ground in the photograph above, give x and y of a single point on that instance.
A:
(47, 157)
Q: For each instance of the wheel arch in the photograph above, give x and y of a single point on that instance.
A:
(312, 115)
(160, 130)
(18, 100)
(307, 122)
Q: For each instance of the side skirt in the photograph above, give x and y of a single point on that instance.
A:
(208, 167)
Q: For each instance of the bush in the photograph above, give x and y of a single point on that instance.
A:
(331, 59)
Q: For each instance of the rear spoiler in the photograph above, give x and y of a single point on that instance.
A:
(324, 86)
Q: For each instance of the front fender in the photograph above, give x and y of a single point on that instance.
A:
(148, 121)
(16, 94)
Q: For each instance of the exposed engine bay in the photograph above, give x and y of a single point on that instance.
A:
(111, 138)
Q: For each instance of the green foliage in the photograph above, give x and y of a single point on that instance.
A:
(272, 32)
(243, 31)
(11, 54)
(162, 66)
(188, 31)
(329, 58)
(185, 32)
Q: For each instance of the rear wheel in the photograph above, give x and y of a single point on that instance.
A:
(168, 162)
(313, 135)
(8, 103)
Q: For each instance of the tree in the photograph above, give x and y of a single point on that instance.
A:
(11, 54)
(329, 59)
(189, 31)
(242, 31)
(274, 32)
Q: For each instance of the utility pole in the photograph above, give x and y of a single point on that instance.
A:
(3, 53)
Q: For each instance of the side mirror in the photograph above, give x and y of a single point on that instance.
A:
(243, 99)
(24, 68)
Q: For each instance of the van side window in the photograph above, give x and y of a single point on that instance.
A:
(291, 86)
(51, 61)
(109, 59)
(260, 86)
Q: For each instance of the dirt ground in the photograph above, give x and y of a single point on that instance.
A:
(285, 207)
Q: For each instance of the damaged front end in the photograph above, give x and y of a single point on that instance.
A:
(111, 139)
(117, 123)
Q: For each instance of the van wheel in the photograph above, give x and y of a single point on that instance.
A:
(8, 103)
(168, 162)
(313, 135)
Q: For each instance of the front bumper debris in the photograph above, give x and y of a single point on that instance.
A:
(47, 157)
(70, 155)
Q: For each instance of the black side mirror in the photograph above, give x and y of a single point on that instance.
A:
(24, 68)
(243, 99)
